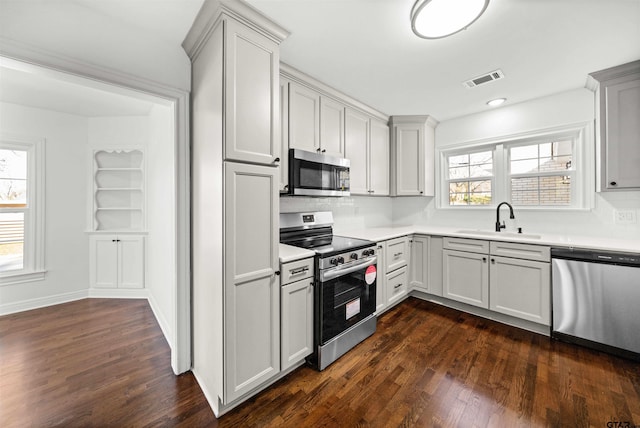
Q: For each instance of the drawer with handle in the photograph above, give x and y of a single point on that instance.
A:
(397, 253)
(397, 285)
(295, 271)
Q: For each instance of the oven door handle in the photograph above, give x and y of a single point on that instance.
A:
(330, 274)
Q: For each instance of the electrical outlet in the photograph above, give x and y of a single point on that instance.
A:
(625, 216)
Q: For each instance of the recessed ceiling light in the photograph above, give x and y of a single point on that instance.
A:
(434, 19)
(496, 102)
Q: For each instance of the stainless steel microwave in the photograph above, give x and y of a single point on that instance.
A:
(317, 174)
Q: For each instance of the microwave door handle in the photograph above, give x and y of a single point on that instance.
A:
(330, 274)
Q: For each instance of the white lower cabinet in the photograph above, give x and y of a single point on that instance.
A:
(435, 265)
(396, 265)
(296, 312)
(396, 253)
(520, 281)
(117, 261)
(393, 272)
(419, 274)
(509, 278)
(397, 286)
(381, 280)
(466, 277)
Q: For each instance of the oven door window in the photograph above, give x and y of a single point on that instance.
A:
(346, 300)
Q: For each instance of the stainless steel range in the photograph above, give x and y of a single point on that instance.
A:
(345, 283)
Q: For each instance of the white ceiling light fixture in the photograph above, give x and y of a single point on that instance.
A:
(434, 19)
(496, 102)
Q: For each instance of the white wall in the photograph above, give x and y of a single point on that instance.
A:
(576, 106)
(349, 213)
(66, 244)
(75, 31)
(118, 131)
(161, 220)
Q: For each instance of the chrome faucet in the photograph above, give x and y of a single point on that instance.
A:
(511, 216)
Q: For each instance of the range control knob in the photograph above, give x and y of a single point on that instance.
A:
(340, 260)
(333, 261)
(354, 256)
(368, 253)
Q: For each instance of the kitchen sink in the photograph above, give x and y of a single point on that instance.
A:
(503, 234)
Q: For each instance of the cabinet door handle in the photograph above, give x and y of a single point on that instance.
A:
(276, 160)
(372, 191)
(397, 254)
(113, 240)
(493, 261)
(324, 150)
(613, 183)
(421, 192)
(484, 259)
(298, 271)
(277, 273)
(397, 286)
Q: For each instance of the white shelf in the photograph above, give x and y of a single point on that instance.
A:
(118, 190)
(117, 169)
(118, 209)
(109, 189)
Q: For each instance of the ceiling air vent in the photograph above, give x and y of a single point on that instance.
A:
(485, 78)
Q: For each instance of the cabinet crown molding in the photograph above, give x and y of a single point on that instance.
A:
(617, 71)
(429, 120)
(292, 74)
(213, 11)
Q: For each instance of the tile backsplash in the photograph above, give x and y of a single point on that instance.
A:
(349, 213)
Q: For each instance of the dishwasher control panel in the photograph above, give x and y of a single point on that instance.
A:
(627, 259)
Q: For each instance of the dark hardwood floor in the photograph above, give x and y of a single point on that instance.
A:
(105, 363)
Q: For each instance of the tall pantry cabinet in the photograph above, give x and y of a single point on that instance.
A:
(235, 176)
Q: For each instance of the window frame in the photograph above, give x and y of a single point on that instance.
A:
(582, 189)
(491, 178)
(34, 221)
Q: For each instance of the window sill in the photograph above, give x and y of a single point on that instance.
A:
(515, 208)
(20, 277)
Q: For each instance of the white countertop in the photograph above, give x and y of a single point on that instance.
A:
(289, 253)
(587, 242)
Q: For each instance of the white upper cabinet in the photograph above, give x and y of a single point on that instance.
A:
(252, 101)
(284, 135)
(357, 151)
(412, 156)
(316, 122)
(304, 118)
(379, 158)
(619, 123)
(317, 118)
(367, 148)
(331, 127)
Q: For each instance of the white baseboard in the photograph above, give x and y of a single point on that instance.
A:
(118, 293)
(41, 302)
(162, 322)
(214, 403)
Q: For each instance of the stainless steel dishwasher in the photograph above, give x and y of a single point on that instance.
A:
(596, 300)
